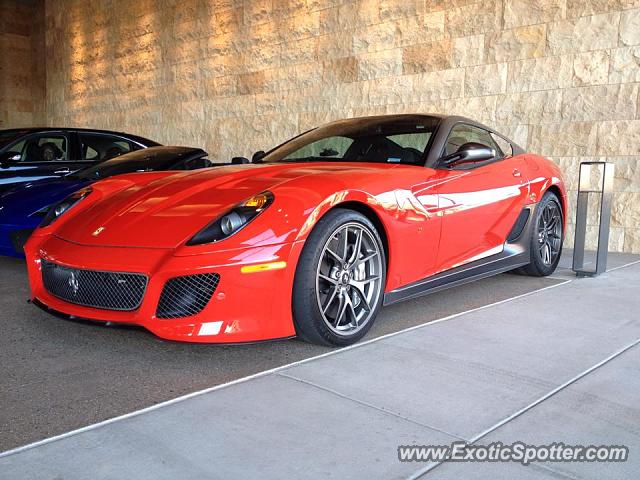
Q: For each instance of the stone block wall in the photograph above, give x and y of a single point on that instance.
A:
(561, 77)
(22, 63)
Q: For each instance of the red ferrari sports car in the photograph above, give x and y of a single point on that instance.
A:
(311, 239)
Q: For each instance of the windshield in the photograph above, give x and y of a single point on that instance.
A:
(402, 140)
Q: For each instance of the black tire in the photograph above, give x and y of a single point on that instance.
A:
(311, 323)
(537, 267)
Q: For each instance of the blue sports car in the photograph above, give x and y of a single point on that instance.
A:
(30, 154)
(22, 208)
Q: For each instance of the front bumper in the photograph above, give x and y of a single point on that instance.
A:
(245, 307)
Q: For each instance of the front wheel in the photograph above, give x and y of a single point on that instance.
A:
(339, 283)
(546, 237)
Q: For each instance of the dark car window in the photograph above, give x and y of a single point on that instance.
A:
(99, 147)
(42, 148)
(140, 163)
(7, 137)
(360, 140)
(192, 164)
(463, 133)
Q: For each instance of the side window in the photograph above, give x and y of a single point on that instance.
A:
(505, 147)
(97, 147)
(42, 148)
(462, 133)
(18, 150)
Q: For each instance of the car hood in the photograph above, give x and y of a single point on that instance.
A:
(19, 203)
(168, 210)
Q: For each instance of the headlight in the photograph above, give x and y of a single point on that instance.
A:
(233, 220)
(55, 211)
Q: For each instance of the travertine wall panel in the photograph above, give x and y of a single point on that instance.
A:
(22, 64)
(561, 77)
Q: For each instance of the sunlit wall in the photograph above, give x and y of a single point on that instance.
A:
(559, 76)
(22, 63)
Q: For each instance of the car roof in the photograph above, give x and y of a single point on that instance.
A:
(135, 138)
(412, 116)
(387, 118)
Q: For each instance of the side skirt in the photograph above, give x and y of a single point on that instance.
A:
(514, 254)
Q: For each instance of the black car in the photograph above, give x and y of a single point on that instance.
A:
(29, 154)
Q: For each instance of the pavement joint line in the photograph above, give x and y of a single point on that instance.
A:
(535, 403)
(264, 373)
(369, 405)
(622, 266)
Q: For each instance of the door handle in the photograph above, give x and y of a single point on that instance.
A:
(62, 170)
(516, 173)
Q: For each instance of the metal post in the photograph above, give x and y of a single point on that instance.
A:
(604, 190)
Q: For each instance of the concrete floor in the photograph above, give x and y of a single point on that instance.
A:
(59, 375)
(343, 414)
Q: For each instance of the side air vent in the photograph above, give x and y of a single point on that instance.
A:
(518, 227)
(187, 295)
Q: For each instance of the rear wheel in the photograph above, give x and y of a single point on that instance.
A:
(340, 278)
(546, 237)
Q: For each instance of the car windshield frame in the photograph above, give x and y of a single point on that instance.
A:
(377, 129)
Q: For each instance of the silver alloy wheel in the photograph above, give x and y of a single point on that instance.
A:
(349, 278)
(550, 233)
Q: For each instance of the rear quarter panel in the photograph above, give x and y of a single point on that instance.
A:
(543, 174)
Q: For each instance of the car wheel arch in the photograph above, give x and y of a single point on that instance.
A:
(557, 191)
(357, 206)
(373, 217)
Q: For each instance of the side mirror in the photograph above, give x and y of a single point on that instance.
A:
(7, 158)
(259, 155)
(469, 153)
(239, 160)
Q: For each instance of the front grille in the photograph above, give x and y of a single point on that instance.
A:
(93, 288)
(187, 295)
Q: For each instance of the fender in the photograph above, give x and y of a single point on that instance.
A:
(544, 174)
